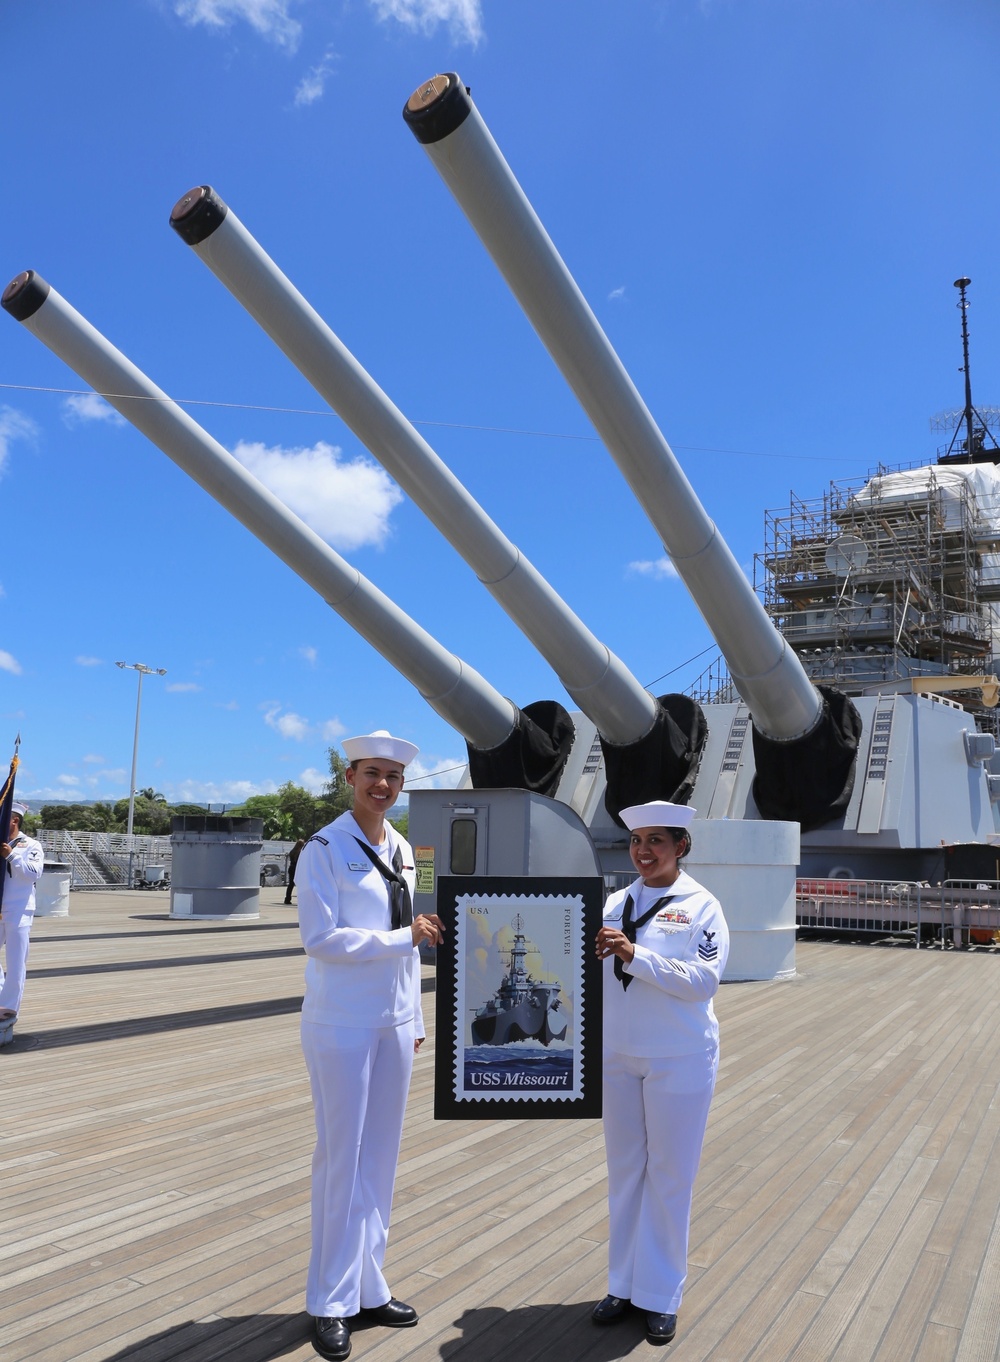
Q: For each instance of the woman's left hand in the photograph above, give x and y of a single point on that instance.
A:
(417, 1044)
(612, 942)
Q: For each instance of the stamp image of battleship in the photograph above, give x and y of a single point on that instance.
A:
(519, 996)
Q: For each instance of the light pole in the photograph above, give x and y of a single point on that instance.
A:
(143, 670)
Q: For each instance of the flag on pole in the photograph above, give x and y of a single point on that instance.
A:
(6, 801)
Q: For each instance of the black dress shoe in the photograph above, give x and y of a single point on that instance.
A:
(393, 1315)
(660, 1328)
(331, 1338)
(610, 1310)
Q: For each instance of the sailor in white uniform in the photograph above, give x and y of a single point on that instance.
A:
(664, 943)
(361, 1025)
(21, 863)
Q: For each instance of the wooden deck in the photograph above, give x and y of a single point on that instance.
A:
(157, 1137)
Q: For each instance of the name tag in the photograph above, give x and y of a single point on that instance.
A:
(359, 865)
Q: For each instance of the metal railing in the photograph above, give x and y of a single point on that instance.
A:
(113, 860)
(959, 912)
(108, 860)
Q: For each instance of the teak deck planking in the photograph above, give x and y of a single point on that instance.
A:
(157, 1136)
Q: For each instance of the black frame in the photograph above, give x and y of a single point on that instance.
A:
(447, 1107)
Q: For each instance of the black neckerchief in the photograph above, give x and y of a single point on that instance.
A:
(401, 905)
(19, 838)
(630, 928)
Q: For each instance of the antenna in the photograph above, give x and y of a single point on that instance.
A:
(975, 431)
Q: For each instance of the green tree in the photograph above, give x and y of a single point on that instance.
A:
(80, 817)
(103, 816)
(278, 826)
(305, 812)
(150, 817)
(337, 796)
(59, 816)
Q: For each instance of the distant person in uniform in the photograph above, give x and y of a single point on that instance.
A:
(21, 863)
(664, 943)
(293, 860)
(361, 1025)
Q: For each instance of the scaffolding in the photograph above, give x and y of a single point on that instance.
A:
(889, 579)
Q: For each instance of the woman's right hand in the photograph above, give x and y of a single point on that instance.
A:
(427, 927)
(610, 941)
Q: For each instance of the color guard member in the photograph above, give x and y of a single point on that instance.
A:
(21, 863)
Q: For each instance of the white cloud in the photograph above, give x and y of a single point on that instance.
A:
(309, 653)
(269, 18)
(9, 663)
(80, 407)
(616, 293)
(212, 792)
(14, 425)
(84, 661)
(291, 725)
(313, 83)
(288, 725)
(183, 686)
(656, 568)
(435, 773)
(93, 759)
(347, 502)
(2, 592)
(47, 792)
(314, 781)
(229, 704)
(463, 17)
(68, 780)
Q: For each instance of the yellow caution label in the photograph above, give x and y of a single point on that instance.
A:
(423, 860)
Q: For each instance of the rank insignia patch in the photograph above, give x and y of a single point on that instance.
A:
(708, 949)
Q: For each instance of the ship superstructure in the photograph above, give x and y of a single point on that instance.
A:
(891, 584)
(523, 1007)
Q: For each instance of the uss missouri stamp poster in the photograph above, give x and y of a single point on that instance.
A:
(518, 998)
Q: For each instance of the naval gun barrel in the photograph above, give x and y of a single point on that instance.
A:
(455, 690)
(788, 711)
(764, 669)
(598, 681)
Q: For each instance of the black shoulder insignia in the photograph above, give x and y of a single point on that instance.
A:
(317, 838)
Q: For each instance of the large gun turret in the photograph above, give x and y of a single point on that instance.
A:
(652, 746)
(531, 755)
(805, 738)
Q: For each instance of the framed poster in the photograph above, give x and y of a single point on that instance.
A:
(518, 998)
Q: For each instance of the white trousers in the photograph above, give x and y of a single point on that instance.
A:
(655, 1113)
(359, 1079)
(15, 929)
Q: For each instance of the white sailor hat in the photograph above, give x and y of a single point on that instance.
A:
(20, 809)
(657, 814)
(380, 744)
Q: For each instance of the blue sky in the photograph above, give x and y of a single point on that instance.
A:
(765, 202)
